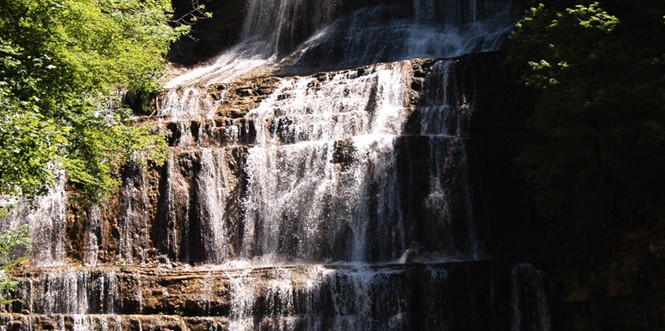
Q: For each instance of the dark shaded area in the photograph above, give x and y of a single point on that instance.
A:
(498, 135)
(208, 36)
(141, 102)
(597, 162)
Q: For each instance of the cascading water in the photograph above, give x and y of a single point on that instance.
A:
(341, 200)
(326, 34)
(325, 151)
(47, 219)
(445, 121)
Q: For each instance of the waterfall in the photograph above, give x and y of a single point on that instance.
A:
(46, 217)
(277, 26)
(212, 196)
(325, 151)
(445, 121)
(292, 35)
(528, 293)
(136, 215)
(319, 178)
(73, 291)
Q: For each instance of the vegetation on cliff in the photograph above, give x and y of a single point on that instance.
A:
(62, 65)
(599, 72)
(11, 242)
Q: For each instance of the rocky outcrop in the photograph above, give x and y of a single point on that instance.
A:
(155, 256)
(15, 322)
(160, 212)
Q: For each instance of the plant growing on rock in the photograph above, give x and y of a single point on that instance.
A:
(63, 68)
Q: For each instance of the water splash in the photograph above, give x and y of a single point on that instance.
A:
(187, 104)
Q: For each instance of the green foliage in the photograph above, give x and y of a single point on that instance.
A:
(14, 239)
(599, 69)
(60, 63)
(12, 242)
(198, 12)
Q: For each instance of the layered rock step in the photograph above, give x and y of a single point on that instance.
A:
(410, 296)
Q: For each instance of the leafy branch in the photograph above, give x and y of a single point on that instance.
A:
(198, 12)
